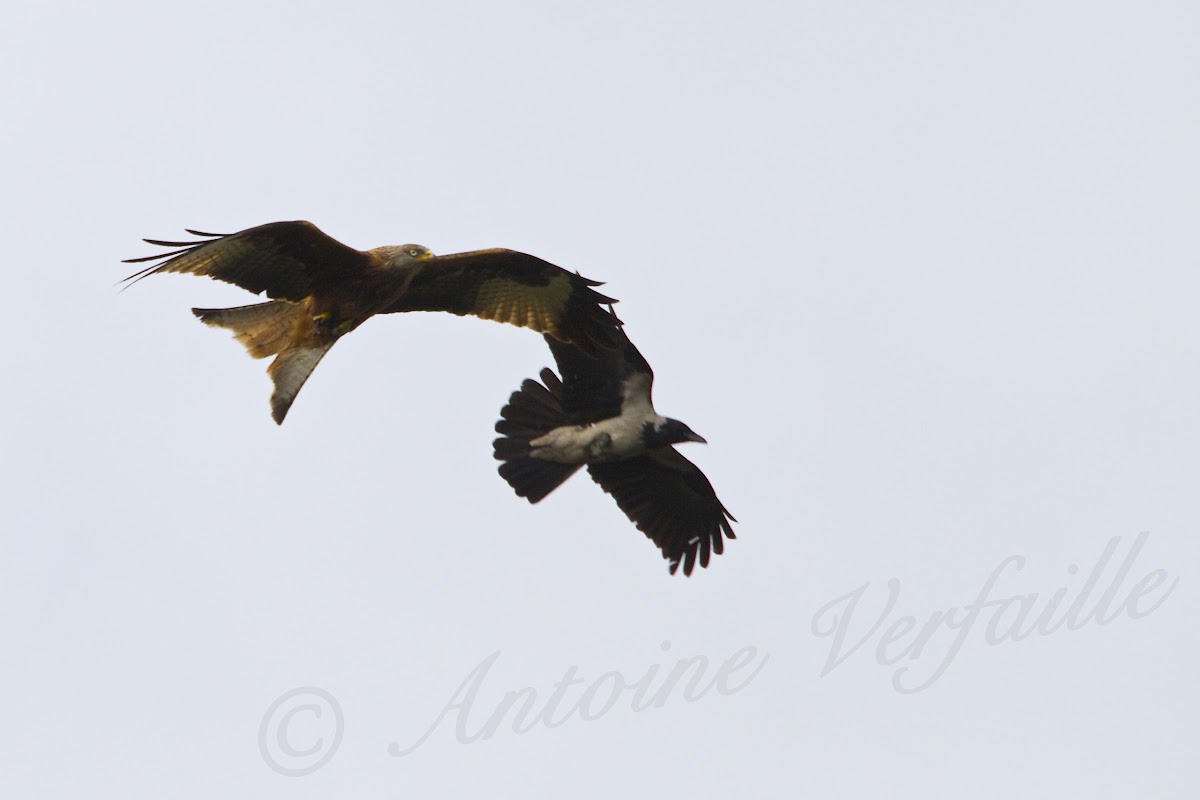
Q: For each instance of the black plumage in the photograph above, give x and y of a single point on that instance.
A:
(600, 415)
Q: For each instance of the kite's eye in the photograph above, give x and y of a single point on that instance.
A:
(414, 252)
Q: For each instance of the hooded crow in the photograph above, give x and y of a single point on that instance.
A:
(600, 415)
(321, 289)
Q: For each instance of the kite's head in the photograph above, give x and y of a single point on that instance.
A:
(403, 256)
(415, 252)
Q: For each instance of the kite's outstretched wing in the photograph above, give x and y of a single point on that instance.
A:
(514, 288)
(287, 260)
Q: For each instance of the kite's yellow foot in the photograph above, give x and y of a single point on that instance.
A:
(344, 326)
(323, 325)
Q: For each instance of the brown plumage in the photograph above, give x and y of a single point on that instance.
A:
(321, 289)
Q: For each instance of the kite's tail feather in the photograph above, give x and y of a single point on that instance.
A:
(290, 370)
(532, 411)
(266, 329)
(271, 329)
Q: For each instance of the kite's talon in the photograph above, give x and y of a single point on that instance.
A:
(322, 323)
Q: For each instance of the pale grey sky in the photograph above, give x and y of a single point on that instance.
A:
(923, 274)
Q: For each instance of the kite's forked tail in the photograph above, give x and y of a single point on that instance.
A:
(266, 329)
(273, 329)
(290, 370)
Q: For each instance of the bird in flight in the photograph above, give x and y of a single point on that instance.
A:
(600, 415)
(321, 289)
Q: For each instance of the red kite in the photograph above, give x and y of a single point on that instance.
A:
(321, 289)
